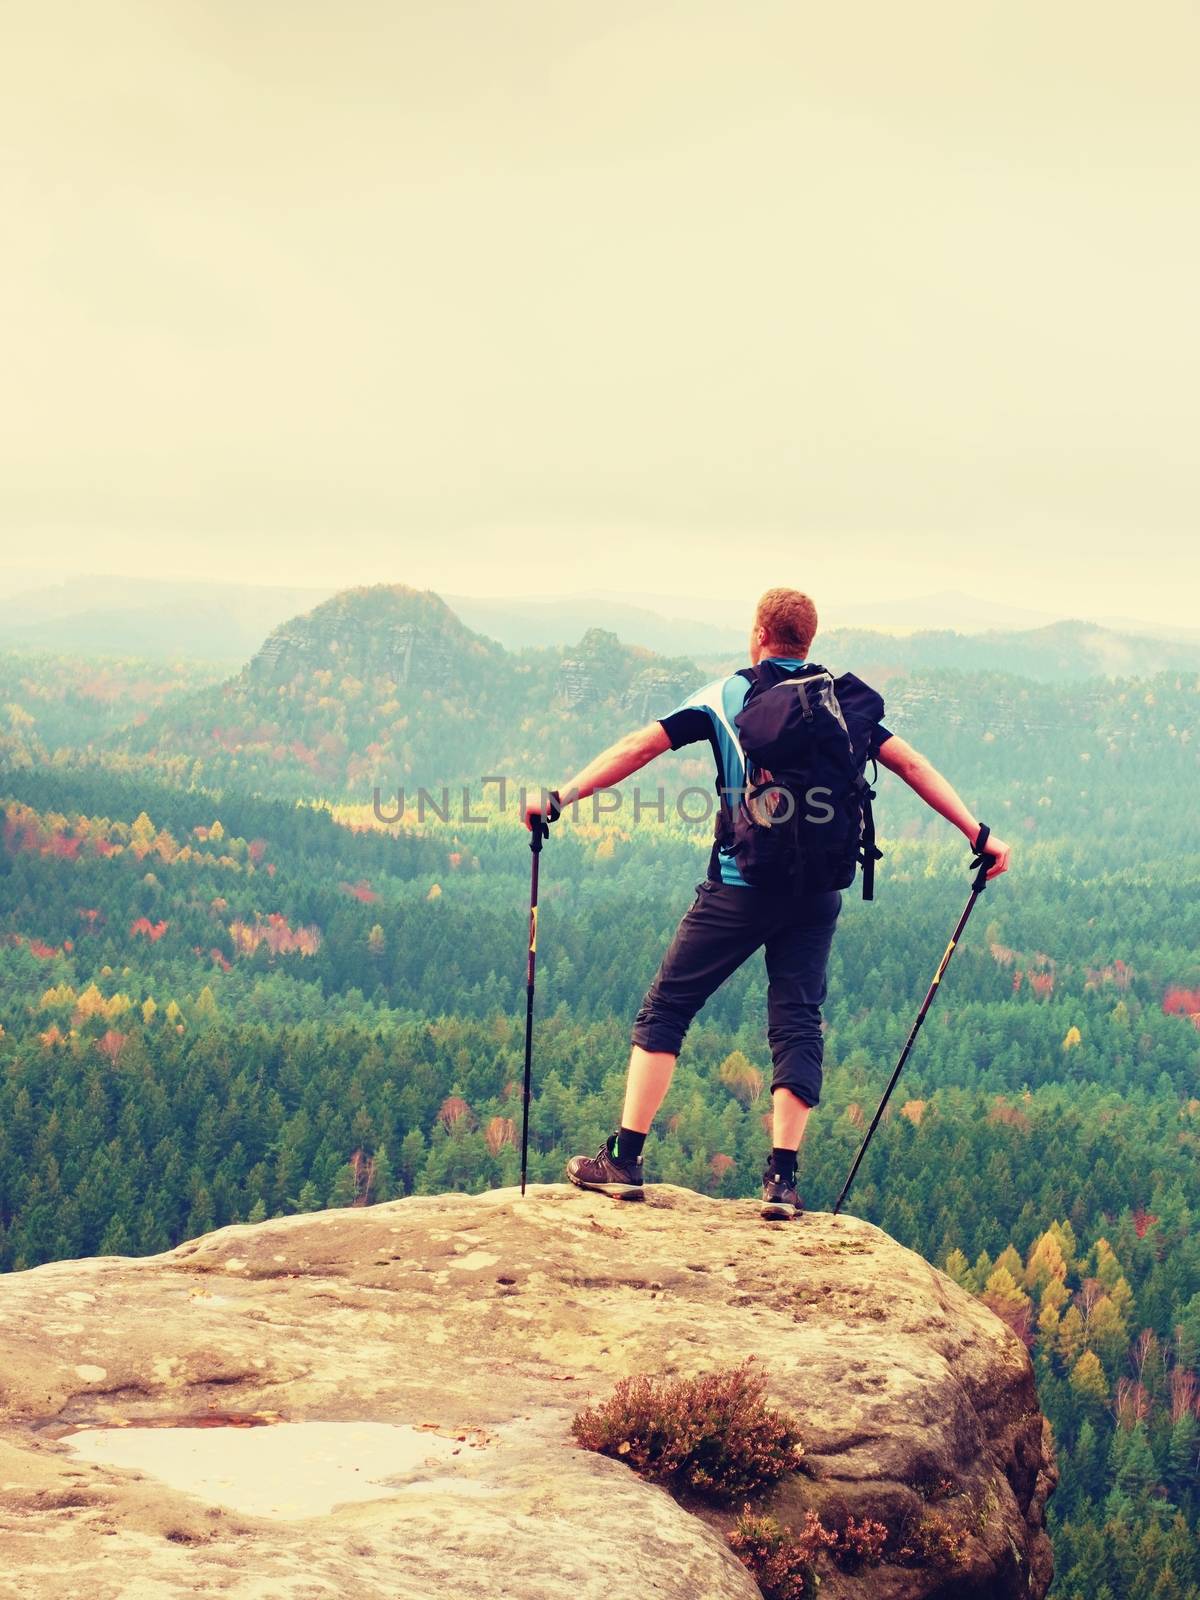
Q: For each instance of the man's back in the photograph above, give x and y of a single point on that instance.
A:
(710, 713)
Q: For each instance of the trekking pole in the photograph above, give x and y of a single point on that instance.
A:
(539, 830)
(981, 862)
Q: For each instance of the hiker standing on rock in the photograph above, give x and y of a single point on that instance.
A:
(791, 744)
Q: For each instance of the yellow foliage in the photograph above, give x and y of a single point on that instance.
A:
(1070, 1335)
(1073, 1039)
(1087, 1377)
(1045, 1261)
(61, 995)
(741, 1077)
(142, 835)
(1010, 1259)
(1056, 1294)
(1108, 1268)
(91, 1003)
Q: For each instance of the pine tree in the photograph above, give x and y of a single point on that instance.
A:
(1137, 1476)
(412, 1159)
(344, 1190)
(1088, 1380)
(1168, 1586)
(383, 1181)
(1070, 1336)
(1088, 1460)
(957, 1267)
(1183, 1459)
(1107, 1333)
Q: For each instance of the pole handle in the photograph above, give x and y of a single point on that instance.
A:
(539, 825)
(981, 862)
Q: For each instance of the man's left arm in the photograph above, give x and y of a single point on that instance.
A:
(609, 767)
(920, 774)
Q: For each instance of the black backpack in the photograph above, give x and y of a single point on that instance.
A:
(803, 823)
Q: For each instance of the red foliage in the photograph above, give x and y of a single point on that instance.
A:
(146, 929)
(361, 890)
(256, 849)
(1181, 1002)
(452, 1111)
(1009, 1115)
(1143, 1221)
(43, 951)
(1042, 983)
(720, 1165)
(1117, 974)
(110, 1045)
(274, 932)
(1131, 1402)
(499, 1132)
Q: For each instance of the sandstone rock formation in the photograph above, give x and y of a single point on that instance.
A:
(482, 1324)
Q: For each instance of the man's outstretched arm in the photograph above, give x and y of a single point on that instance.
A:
(609, 767)
(920, 774)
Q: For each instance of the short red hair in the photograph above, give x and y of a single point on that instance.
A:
(789, 620)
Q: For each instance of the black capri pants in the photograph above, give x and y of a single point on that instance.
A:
(725, 926)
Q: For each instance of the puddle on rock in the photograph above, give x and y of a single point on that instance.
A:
(255, 1463)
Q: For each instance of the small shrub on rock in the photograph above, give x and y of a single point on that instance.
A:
(861, 1543)
(935, 1540)
(779, 1560)
(713, 1434)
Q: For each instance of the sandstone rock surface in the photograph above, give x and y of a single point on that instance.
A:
(484, 1323)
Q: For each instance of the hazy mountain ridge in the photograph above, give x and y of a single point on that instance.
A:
(227, 622)
(387, 687)
(1058, 652)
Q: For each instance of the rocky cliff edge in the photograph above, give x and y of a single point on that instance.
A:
(378, 1401)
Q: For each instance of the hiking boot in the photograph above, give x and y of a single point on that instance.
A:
(779, 1198)
(606, 1173)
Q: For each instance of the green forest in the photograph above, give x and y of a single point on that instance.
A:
(228, 993)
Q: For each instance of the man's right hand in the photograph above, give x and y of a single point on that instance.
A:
(1001, 851)
(546, 810)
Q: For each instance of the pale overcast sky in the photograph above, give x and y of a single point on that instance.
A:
(525, 296)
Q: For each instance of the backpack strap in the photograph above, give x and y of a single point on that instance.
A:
(868, 853)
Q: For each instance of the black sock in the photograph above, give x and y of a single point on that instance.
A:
(629, 1144)
(783, 1162)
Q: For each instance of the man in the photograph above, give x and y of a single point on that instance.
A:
(730, 920)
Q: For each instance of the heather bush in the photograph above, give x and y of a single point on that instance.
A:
(713, 1434)
(935, 1540)
(861, 1543)
(780, 1561)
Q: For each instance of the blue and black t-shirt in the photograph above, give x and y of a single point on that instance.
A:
(708, 714)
